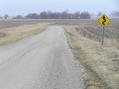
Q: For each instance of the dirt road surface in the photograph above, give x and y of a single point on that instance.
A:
(43, 61)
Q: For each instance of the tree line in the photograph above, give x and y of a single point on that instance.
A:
(53, 15)
(115, 13)
(57, 15)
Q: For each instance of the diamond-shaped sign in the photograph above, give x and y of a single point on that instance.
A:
(104, 20)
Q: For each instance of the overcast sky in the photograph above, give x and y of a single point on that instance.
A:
(14, 7)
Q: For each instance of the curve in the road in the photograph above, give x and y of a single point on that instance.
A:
(40, 62)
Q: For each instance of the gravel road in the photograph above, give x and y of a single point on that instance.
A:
(43, 61)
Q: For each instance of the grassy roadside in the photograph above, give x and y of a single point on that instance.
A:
(101, 63)
(13, 34)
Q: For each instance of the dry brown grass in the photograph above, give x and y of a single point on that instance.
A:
(8, 35)
(100, 62)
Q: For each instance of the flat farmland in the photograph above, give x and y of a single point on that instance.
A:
(100, 62)
(15, 22)
(14, 30)
(84, 38)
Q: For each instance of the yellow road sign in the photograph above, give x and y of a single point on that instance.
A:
(104, 20)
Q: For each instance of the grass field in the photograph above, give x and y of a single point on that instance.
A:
(14, 23)
(14, 30)
(100, 62)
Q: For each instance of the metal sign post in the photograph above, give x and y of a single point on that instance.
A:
(103, 36)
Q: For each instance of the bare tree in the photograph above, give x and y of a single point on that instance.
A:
(100, 13)
(115, 13)
(43, 15)
(0, 17)
(76, 15)
(19, 17)
(6, 16)
(85, 15)
(32, 16)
